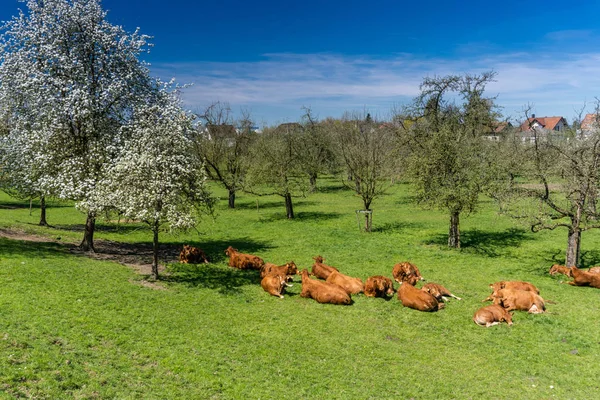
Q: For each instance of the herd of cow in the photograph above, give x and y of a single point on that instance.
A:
(334, 287)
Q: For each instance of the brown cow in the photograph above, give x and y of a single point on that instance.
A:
(287, 269)
(594, 270)
(522, 300)
(417, 299)
(243, 261)
(438, 291)
(192, 255)
(379, 286)
(406, 272)
(517, 285)
(323, 292)
(350, 284)
(321, 270)
(583, 278)
(274, 284)
(492, 315)
(560, 269)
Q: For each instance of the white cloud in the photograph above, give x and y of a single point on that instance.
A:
(276, 87)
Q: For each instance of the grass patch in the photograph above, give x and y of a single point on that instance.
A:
(75, 327)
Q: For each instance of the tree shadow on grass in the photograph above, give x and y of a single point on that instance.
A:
(301, 216)
(215, 277)
(28, 249)
(123, 228)
(486, 243)
(389, 227)
(215, 249)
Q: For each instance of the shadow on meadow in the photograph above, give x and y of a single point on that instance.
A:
(301, 216)
(216, 277)
(395, 226)
(29, 249)
(215, 249)
(486, 243)
(122, 227)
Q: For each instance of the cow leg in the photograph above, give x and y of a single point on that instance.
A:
(488, 324)
(456, 297)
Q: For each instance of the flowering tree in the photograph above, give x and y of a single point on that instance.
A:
(155, 179)
(69, 79)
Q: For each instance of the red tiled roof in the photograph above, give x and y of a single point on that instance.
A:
(589, 121)
(546, 122)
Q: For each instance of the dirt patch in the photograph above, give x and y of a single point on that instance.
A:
(137, 256)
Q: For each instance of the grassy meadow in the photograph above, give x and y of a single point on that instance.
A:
(76, 327)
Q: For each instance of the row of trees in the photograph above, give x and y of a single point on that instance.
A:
(440, 143)
(82, 119)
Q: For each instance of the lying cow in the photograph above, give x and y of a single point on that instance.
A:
(321, 270)
(584, 278)
(560, 269)
(243, 261)
(274, 284)
(323, 292)
(406, 272)
(522, 300)
(192, 255)
(417, 299)
(492, 315)
(350, 284)
(438, 291)
(288, 269)
(517, 285)
(379, 286)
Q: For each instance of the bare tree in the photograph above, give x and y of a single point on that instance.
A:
(565, 170)
(368, 152)
(276, 168)
(223, 144)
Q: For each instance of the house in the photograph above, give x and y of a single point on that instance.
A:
(558, 124)
(590, 123)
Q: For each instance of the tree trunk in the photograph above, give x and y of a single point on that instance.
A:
(313, 181)
(155, 251)
(368, 220)
(573, 247)
(88, 237)
(288, 206)
(454, 232)
(231, 198)
(43, 221)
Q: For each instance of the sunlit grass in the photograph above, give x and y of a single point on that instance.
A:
(73, 327)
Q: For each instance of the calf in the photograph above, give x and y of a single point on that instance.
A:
(323, 292)
(243, 261)
(406, 272)
(560, 269)
(274, 284)
(192, 255)
(417, 299)
(321, 270)
(349, 284)
(492, 315)
(583, 278)
(517, 285)
(523, 300)
(438, 291)
(379, 286)
(287, 269)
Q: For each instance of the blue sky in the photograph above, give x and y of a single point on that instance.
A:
(273, 58)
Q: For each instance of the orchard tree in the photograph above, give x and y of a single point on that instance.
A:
(276, 166)
(69, 79)
(563, 174)
(223, 144)
(315, 148)
(451, 162)
(155, 178)
(368, 150)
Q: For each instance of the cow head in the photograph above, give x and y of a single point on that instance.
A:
(230, 250)
(318, 259)
(292, 268)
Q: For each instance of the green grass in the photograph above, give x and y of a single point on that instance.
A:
(73, 327)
